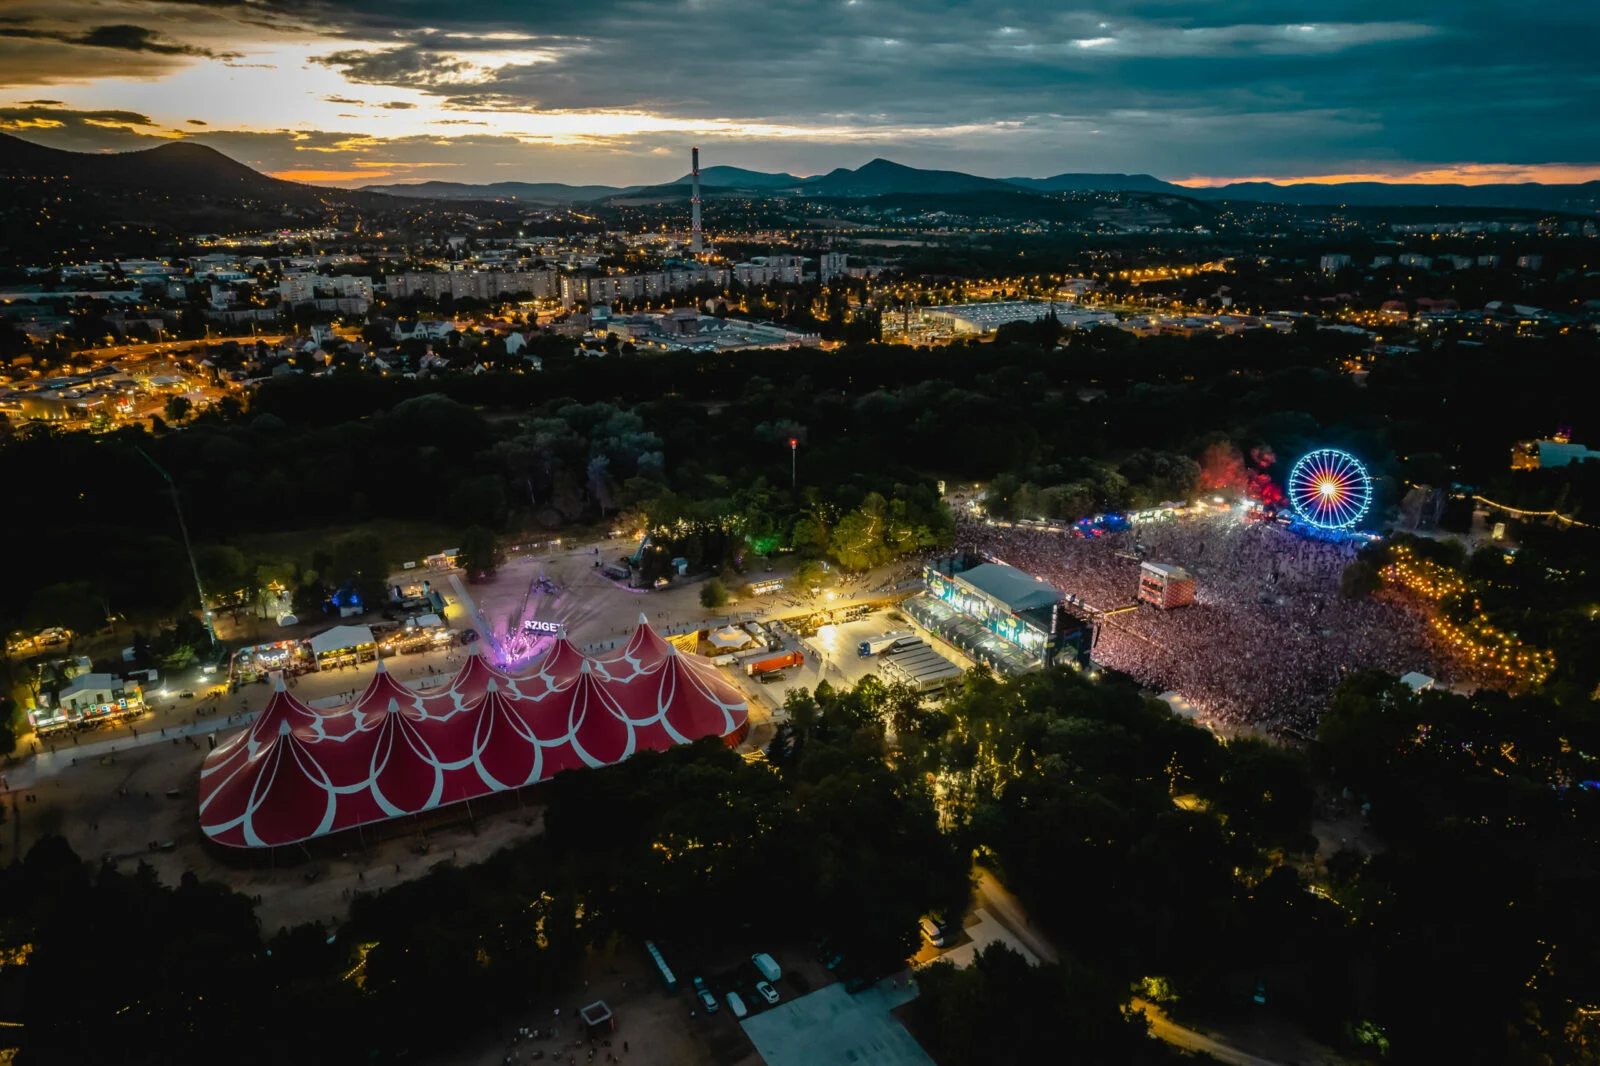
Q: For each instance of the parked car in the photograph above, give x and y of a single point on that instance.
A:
(767, 965)
(736, 1004)
(707, 1000)
(934, 932)
(768, 993)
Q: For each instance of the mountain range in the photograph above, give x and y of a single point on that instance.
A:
(183, 169)
(883, 177)
(178, 168)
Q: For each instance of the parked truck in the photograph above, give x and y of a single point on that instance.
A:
(868, 648)
(776, 662)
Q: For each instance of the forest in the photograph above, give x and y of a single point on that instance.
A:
(1080, 423)
(1161, 863)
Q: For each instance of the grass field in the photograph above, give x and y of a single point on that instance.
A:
(404, 540)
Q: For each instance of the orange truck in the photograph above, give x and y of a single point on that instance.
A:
(777, 662)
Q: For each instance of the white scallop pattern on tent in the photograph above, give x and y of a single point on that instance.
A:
(298, 773)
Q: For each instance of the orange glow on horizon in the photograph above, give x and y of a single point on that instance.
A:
(1463, 174)
(325, 177)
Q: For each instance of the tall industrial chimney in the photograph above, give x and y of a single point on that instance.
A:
(694, 228)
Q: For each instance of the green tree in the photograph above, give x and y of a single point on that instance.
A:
(479, 553)
(714, 594)
(359, 561)
(177, 408)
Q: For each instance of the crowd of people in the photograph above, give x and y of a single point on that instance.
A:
(1268, 636)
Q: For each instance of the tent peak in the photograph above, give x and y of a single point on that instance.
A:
(492, 686)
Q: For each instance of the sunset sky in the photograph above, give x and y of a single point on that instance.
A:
(616, 92)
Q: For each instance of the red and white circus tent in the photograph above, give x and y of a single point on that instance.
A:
(298, 772)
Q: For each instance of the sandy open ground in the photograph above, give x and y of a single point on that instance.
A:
(127, 795)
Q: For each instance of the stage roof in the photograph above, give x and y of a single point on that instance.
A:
(1012, 587)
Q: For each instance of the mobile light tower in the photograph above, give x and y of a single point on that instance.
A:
(794, 443)
(694, 203)
(194, 568)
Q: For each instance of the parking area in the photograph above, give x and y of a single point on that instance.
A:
(832, 655)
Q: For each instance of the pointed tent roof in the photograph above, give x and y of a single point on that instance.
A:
(279, 796)
(601, 734)
(558, 667)
(503, 753)
(687, 697)
(281, 707)
(644, 652)
(383, 689)
(296, 773)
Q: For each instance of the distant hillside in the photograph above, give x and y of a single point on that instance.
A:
(739, 178)
(546, 192)
(95, 205)
(1099, 183)
(1584, 197)
(170, 178)
(882, 177)
(181, 168)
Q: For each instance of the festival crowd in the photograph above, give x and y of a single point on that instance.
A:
(1268, 636)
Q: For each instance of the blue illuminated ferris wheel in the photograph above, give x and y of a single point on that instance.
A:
(1330, 489)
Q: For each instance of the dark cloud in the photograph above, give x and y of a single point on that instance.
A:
(122, 37)
(1172, 87)
(35, 115)
(197, 122)
(80, 131)
(397, 105)
(1165, 85)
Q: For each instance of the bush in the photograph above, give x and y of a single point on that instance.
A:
(714, 593)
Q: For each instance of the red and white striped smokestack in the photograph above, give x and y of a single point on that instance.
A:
(694, 203)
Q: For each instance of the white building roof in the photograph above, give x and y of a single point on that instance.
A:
(341, 637)
(90, 683)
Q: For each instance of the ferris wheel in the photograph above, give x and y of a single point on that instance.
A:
(1330, 489)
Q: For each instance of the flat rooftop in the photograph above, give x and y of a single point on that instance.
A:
(1014, 588)
(830, 1027)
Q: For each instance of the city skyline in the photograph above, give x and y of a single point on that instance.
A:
(356, 93)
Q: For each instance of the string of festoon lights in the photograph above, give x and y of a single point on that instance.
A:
(1479, 640)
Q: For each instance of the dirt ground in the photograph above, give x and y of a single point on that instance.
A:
(136, 803)
(656, 1026)
(116, 806)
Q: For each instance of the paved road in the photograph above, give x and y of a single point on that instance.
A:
(1006, 909)
(1165, 1028)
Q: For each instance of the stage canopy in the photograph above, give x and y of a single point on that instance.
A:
(297, 773)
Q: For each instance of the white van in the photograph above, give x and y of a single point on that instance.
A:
(736, 1005)
(933, 931)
